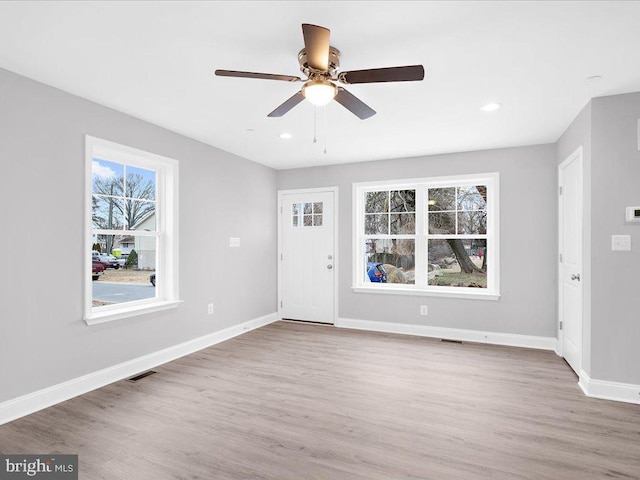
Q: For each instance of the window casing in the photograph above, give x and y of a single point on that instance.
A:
(435, 236)
(131, 204)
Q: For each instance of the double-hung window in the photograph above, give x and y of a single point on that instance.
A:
(131, 234)
(434, 236)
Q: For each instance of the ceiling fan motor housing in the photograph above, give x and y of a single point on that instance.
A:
(311, 73)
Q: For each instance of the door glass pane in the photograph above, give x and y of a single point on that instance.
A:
(457, 263)
(303, 216)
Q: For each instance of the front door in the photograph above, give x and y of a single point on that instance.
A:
(570, 216)
(307, 256)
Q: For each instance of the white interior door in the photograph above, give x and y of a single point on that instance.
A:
(570, 295)
(307, 260)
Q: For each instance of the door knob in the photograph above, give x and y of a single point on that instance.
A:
(575, 276)
(329, 267)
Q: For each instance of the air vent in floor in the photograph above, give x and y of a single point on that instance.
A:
(450, 341)
(141, 376)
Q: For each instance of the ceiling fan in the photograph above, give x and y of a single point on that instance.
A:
(319, 62)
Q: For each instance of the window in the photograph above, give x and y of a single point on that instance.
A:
(131, 234)
(306, 214)
(434, 236)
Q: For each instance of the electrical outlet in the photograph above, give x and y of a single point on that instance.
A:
(210, 309)
(424, 310)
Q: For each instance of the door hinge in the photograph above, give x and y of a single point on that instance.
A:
(560, 325)
(281, 258)
(560, 258)
(280, 303)
(280, 210)
(560, 190)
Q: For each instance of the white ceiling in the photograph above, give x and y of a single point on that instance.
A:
(155, 61)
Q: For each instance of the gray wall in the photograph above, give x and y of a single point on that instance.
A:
(528, 236)
(578, 134)
(43, 339)
(615, 317)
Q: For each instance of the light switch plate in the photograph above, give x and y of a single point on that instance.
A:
(621, 243)
(234, 242)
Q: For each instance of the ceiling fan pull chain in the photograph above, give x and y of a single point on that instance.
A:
(326, 133)
(315, 121)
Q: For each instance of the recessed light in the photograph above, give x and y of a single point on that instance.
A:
(490, 107)
(285, 136)
(250, 130)
(593, 79)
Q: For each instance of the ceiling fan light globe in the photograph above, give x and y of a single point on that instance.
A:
(319, 93)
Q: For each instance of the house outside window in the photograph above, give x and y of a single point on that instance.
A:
(432, 236)
(131, 218)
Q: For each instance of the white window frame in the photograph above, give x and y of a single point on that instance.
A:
(492, 292)
(167, 291)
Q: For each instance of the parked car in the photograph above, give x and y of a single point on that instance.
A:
(376, 272)
(97, 267)
(152, 278)
(122, 259)
(109, 260)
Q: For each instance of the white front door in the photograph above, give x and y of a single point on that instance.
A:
(307, 256)
(570, 217)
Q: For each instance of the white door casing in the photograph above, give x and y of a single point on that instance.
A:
(307, 255)
(570, 205)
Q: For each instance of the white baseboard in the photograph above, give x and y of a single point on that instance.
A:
(621, 392)
(511, 339)
(24, 405)
(557, 348)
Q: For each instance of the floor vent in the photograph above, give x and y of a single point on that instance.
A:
(448, 340)
(141, 376)
(293, 320)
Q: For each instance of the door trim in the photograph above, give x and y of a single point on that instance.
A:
(577, 154)
(336, 257)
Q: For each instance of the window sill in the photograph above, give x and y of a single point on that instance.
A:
(129, 311)
(428, 293)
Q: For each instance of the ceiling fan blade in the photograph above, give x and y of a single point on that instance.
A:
(288, 105)
(264, 76)
(316, 44)
(354, 104)
(392, 74)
